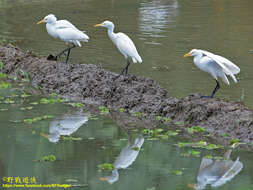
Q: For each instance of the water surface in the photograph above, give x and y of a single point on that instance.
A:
(81, 141)
(163, 31)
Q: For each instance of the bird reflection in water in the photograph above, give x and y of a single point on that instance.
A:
(217, 172)
(66, 125)
(126, 158)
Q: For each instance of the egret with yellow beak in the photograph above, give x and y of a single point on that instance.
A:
(124, 44)
(215, 65)
(66, 32)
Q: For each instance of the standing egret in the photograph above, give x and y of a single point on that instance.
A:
(216, 65)
(124, 44)
(65, 31)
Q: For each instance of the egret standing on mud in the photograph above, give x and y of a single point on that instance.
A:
(215, 65)
(124, 44)
(65, 31)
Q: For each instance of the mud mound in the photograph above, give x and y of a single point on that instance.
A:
(93, 85)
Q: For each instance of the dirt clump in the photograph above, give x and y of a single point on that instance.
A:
(93, 85)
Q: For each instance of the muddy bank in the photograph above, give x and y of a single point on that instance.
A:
(93, 85)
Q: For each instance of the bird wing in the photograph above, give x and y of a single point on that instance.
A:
(64, 24)
(72, 35)
(127, 47)
(69, 33)
(227, 66)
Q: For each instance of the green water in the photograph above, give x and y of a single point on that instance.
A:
(163, 31)
(81, 140)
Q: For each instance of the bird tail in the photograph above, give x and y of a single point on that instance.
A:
(225, 79)
(139, 59)
(233, 77)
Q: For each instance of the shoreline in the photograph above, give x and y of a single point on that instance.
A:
(90, 84)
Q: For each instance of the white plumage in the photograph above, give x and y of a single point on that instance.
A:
(124, 44)
(65, 31)
(215, 65)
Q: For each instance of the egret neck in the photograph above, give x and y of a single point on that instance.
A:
(111, 34)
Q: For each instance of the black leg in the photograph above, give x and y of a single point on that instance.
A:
(122, 72)
(128, 63)
(214, 91)
(51, 57)
(68, 56)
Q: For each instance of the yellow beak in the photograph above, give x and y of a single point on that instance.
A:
(102, 179)
(42, 21)
(187, 55)
(44, 135)
(97, 25)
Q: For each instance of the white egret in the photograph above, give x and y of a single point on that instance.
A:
(65, 31)
(215, 65)
(124, 44)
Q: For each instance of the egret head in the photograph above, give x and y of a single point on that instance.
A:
(48, 19)
(193, 52)
(106, 24)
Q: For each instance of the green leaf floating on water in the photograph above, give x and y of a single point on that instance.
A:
(3, 75)
(177, 172)
(52, 100)
(103, 110)
(200, 144)
(77, 105)
(105, 166)
(4, 85)
(35, 119)
(71, 138)
(195, 129)
(179, 123)
(48, 158)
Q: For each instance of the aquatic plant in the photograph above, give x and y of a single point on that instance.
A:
(8, 101)
(159, 118)
(32, 120)
(171, 133)
(195, 129)
(48, 158)
(232, 141)
(179, 123)
(52, 100)
(167, 119)
(26, 108)
(1, 65)
(34, 103)
(177, 172)
(77, 105)
(122, 110)
(200, 144)
(69, 138)
(103, 110)
(3, 75)
(4, 85)
(24, 95)
(105, 166)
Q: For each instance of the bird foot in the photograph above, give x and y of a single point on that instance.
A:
(52, 58)
(206, 96)
(114, 78)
